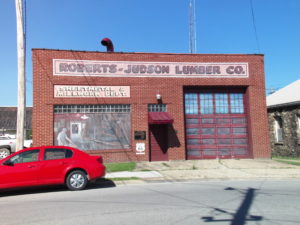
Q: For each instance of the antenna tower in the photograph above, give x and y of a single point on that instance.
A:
(192, 27)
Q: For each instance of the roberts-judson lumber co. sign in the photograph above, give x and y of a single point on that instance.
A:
(65, 67)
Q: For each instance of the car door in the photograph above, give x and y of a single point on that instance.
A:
(55, 163)
(21, 169)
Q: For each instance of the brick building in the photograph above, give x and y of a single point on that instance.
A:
(151, 106)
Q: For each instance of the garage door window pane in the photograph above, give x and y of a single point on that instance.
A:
(192, 131)
(193, 141)
(240, 141)
(210, 152)
(238, 120)
(208, 121)
(208, 141)
(208, 131)
(192, 121)
(224, 141)
(223, 131)
(236, 103)
(224, 151)
(191, 103)
(221, 103)
(193, 152)
(206, 103)
(240, 151)
(239, 130)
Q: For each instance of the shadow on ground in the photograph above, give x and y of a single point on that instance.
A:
(100, 183)
(241, 216)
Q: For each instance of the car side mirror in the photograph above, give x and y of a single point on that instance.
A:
(8, 163)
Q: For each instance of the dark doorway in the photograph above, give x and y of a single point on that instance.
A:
(158, 142)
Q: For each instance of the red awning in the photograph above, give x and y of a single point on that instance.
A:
(159, 118)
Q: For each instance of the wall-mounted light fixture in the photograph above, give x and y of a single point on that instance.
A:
(158, 96)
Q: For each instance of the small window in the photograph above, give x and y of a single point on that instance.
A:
(221, 103)
(236, 103)
(157, 108)
(206, 103)
(191, 103)
(298, 123)
(278, 128)
(57, 153)
(27, 156)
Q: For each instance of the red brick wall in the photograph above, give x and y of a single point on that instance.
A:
(143, 92)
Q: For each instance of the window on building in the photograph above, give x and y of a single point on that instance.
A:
(298, 123)
(93, 127)
(278, 128)
(221, 103)
(214, 103)
(157, 108)
(298, 127)
(206, 103)
(191, 103)
(236, 103)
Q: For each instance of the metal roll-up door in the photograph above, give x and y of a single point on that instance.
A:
(216, 125)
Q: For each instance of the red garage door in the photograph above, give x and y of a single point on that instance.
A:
(216, 125)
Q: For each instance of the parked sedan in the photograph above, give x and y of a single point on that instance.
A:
(49, 165)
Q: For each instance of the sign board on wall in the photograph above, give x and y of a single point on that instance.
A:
(69, 91)
(140, 148)
(65, 67)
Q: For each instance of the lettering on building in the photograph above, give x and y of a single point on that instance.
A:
(64, 67)
(68, 91)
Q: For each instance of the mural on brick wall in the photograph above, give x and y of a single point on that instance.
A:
(93, 131)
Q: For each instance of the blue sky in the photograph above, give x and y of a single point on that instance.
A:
(223, 26)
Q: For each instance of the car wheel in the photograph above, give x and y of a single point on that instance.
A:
(76, 180)
(4, 152)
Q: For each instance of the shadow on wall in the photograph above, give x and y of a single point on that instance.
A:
(173, 140)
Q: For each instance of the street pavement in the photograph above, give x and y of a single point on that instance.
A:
(224, 202)
(216, 169)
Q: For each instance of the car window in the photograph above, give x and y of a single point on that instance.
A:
(4, 138)
(27, 156)
(57, 153)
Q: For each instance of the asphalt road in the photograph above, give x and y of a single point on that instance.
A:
(199, 202)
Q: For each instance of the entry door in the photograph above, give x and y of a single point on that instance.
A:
(159, 142)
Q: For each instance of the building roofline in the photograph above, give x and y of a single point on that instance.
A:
(154, 53)
(284, 105)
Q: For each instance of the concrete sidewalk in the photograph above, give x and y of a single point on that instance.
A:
(210, 169)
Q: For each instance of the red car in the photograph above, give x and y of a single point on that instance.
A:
(50, 165)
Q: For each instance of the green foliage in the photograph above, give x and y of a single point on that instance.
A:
(289, 162)
(285, 157)
(117, 167)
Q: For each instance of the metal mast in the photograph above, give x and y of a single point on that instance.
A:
(192, 27)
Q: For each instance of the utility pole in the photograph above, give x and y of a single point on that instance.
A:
(21, 76)
(192, 27)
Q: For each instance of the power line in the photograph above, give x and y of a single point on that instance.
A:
(254, 26)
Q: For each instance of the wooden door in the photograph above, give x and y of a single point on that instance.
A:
(159, 142)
